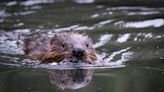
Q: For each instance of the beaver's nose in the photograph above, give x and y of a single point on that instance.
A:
(78, 52)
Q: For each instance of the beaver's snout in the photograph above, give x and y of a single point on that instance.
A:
(78, 53)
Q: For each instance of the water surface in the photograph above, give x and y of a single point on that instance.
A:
(128, 36)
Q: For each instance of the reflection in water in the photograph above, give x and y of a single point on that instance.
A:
(71, 79)
(128, 79)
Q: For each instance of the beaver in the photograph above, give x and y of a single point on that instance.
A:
(62, 47)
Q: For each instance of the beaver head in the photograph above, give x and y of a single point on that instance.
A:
(65, 46)
(72, 47)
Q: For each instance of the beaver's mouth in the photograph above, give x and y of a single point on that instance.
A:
(79, 61)
(75, 60)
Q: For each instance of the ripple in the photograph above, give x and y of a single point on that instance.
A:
(102, 23)
(123, 38)
(95, 15)
(142, 24)
(147, 36)
(24, 13)
(103, 40)
(34, 2)
(84, 1)
(133, 8)
(125, 56)
(143, 13)
(12, 3)
(3, 13)
(10, 41)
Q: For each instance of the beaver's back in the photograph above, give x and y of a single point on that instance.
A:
(36, 46)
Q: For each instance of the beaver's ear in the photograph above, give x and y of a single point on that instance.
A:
(54, 38)
(81, 33)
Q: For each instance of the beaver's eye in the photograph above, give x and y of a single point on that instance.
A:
(87, 45)
(63, 45)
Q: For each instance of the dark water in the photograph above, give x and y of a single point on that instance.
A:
(128, 36)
